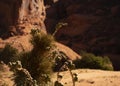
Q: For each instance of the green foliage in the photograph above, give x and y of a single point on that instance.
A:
(40, 40)
(8, 53)
(89, 60)
(37, 61)
(22, 76)
(23, 57)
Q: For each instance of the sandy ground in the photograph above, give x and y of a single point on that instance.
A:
(87, 77)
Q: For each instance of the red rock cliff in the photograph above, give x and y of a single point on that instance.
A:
(93, 26)
(18, 16)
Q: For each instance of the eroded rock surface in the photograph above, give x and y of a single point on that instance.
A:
(17, 17)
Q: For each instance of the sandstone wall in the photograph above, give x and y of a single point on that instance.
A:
(17, 17)
(93, 26)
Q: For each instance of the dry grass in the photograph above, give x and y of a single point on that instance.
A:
(6, 76)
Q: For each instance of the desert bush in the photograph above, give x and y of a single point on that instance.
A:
(23, 57)
(41, 41)
(22, 75)
(37, 61)
(8, 53)
(91, 61)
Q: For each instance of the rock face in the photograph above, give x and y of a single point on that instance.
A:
(93, 26)
(17, 17)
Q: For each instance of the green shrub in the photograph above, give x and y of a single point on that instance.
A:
(91, 61)
(41, 41)
(22, 76)
(23, 57)
(8, 53)
(37, 61)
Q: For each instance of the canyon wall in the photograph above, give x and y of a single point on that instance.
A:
(93, 26)
(17, 17)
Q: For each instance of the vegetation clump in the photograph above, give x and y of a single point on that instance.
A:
(91, 61)
(22, 75)
(37, 65)
(38, 62)
(8, 53)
